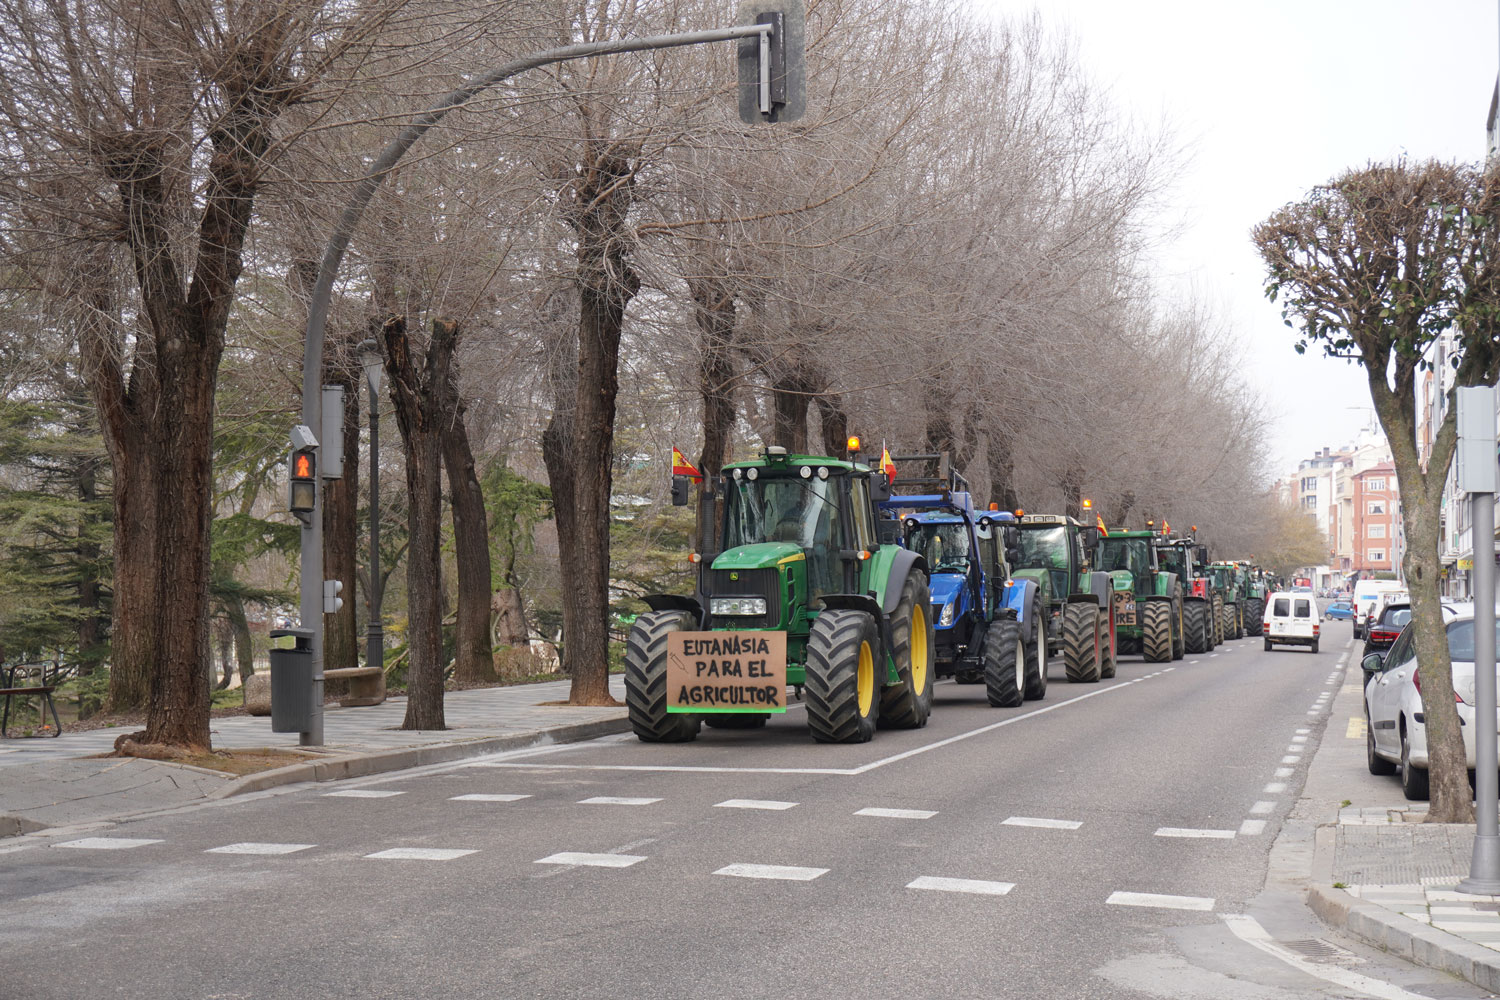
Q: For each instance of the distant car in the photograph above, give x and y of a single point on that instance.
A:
(1395, 734)
(1291, 619)
(1341, 611)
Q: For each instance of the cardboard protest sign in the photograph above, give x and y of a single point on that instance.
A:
(726, 671)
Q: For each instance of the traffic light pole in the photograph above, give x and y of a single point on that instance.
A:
(311, 563)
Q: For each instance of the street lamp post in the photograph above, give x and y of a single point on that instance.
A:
(373, 363)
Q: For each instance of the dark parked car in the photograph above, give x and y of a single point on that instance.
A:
(1339, 611)
(1393, 618)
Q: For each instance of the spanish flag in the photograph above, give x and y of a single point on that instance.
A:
(1099, 520)
(682, 467)
(886, 465)
(1166, 529)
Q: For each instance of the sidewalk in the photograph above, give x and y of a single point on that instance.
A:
(1378, 872)
(49, 782)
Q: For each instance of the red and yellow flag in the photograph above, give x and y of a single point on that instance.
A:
(1166, 529)
(682, 467)
(1099, 520)
(886, 465)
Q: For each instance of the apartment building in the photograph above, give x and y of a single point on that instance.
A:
(1376, 531)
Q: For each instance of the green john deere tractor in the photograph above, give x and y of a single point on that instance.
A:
(1226, 584)
(1054, 551)
(1148, 599)
(1185, 558)
(800, 567)
(1253, 591)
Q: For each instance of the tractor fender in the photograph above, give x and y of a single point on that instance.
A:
(1020, 597)
(852, 602)
(1083, 599)
(674, 602)
(1166, 584)
(889, 581)
(1036, 577)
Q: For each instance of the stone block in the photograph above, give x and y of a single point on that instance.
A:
(258, 693)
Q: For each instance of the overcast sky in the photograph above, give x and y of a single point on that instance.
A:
(1272, 97)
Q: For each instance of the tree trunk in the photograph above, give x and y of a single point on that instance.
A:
(1072, 490)
(790, 408)
(715, 316)
(1122, 510)
(244, 647)
(1001, 461)
(226, 662)
(341, 646)
(834, 424)
(417, 397)
(133, 653)
(474, 657)
(510, 617)
(91, 622)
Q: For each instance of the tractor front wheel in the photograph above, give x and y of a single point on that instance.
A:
(1179, 632)
(1036, 667)
(1156, 632)
(907, 704)
(1004, 664)
(1080, 636)
(1254, 609)
(1218, 621)
(646, 679)
(1196, 630)
(842, 691)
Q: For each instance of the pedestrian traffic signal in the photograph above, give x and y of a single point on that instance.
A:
(302, 494)
(772, 73)
(332, 602)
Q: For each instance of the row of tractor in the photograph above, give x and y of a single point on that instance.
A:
(858, 590)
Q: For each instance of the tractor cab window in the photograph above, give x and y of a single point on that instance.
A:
(1133, 554)
(1046, 548)
(944, 546)
(804, 512)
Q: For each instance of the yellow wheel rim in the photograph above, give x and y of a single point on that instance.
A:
(865, 679)
(918, 647)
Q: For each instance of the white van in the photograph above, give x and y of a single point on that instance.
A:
(1365, 593)
(1290, 620)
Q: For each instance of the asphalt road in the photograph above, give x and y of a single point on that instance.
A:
(1111, 841)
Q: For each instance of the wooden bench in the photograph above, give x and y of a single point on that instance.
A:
(40, 689)
(366, 685)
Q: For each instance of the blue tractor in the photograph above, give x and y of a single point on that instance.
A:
(987, 626)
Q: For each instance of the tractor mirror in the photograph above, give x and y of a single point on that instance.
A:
(1012, 555)
(888, 532)
(1090, 538)
(1203, 554)
(681, 491)
(880, 488)
(1012, 537)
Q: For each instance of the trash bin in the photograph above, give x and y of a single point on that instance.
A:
(292, 682)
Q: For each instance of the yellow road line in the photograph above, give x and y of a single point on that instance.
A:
(1356, 730)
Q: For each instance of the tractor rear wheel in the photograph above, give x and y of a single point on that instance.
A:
(1179, 632)
(735, 720)
(1218, 621)
(646, 679)
(1036, 665)
(908, 704)
(1156, 632)
(1080, 636)
(842, 691)
(1254, 609)
(1109, 654)
(1004, 664)
(1195, 630)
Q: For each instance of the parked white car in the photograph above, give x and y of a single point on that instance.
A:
(1291, 619)
(1365, 593)
(1395, 732)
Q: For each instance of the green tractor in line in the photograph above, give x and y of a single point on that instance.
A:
(1253, 591)
(1148, 599)
(1053, 550)
(1186, 559)
(803, 593)
(1225, 577)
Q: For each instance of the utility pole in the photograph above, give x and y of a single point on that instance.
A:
(373, 363)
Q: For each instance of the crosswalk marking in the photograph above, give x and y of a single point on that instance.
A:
(790, 873)
(484, 797)
(1048, 824)
(420, 854)
(975, 886)
(106, 843)
(753, 804)
(1187, 833)
(250, 847)
(897, 813)
(590, 860)
(1157, 900)
(362, 793)
(615, 800)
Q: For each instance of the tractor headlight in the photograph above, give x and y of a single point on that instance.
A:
(737, 606)
(946, 618)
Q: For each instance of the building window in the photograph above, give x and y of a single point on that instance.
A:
(1308, 503)
(1375, 531)
(1309, 483)
(1375, 507)
(1375, 484)
(1376, 555)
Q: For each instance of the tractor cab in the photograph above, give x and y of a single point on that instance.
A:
(1141, 581)
(1056, 545)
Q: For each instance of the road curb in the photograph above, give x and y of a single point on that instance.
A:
(1401, 936)
(363, 765)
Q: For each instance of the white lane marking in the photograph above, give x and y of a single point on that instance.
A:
(976, 886)
(420, 854)
(1249, 930)
(1168, 670)
(590, 860)
(1291, 759)
(1192, 661)
(897, 813)
(1296, 748)
(1303, 732)
(361, 793)
(106, 843)
(1262, 807)
(250, 847)
(1275, 788)
(1299, 739)
(1047, 824)
(1312, 713)
(1185, 832)
(1157, 900)
(485, 797)
(1212, 655)
(753, 804)
(14, 848)
(790, 873)
(1252, 827)
(615, 800)
(1324, 694)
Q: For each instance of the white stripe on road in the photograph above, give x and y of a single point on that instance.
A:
(1299, 739)
(615, 800)
(1252, 827)
(1291, 759)
(362, 793)
(976, 886)
(420, 854)
(1249, 930)
(1275, 788)
(1296, 748)
(790, 873)
(484, 797)
(1178, 831)
(1262, 807)
(1303, 732)
(590, 860)
(1047, 824)
(1164, 902)
(250, 847)
(896, 813)
(753, 804)
(106, 843)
